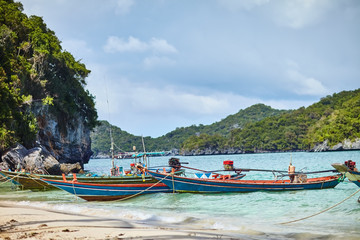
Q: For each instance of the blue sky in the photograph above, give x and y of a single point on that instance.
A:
(165, 64)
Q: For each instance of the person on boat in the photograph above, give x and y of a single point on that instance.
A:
(133, 168)
(291, 172)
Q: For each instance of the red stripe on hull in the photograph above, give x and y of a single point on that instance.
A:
(103, 198)
(145, 185)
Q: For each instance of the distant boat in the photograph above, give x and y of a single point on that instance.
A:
(129, 155)
(348, 168)
(209, 185)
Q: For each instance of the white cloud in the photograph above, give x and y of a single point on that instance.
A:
(119, 45)
(161, 46)
(304, 85)
(141, 98)
(135, 45)
(123, 6)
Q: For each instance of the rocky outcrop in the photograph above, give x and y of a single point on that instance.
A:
(36, 160)
(39, 160)
(14, 158)
(71, 168)
(345, 145)
(68, 140)
(62, 146)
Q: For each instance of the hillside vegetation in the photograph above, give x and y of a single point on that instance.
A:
(258, 128)
(174, 139)
(334, 118)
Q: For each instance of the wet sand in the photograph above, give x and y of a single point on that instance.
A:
(24, 222)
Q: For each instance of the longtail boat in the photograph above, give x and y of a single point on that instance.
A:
(213, 182)
(349, 169)
(201, 185)
(144, 184)
(28, 181)
(141, 184)
(108, 192)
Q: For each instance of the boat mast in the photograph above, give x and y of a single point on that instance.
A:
(112, 149)
(145, 159)
(112, 170)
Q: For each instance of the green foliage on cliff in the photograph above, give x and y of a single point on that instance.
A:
(340, 119)
(34, 69)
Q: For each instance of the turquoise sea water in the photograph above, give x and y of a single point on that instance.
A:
(245, 215)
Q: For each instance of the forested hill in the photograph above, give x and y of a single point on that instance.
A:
(333, 123)
(174, 139)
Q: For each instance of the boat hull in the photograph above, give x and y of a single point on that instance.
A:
(353, 177)
(108, 192)
(195, 185)
(29, 181)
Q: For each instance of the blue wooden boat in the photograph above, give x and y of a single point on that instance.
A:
(108, 192)
(203, 185)
(28, 181)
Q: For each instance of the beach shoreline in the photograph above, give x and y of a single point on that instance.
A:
(25, 222)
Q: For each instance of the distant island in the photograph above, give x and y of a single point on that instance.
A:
(332, 124)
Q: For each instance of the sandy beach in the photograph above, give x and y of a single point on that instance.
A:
(24, 222)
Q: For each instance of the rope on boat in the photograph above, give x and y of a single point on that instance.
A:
(131, 196)
(39, 181)
(325, 210)
(173, 184)
(74, 190)
(10, 179)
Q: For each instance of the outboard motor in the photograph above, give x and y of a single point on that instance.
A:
(228, 165)
(175, 163)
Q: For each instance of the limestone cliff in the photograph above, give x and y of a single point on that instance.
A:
(68, 142)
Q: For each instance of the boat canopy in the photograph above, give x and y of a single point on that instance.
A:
(137, 155)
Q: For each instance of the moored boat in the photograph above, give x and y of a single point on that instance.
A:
(28, 181)
(210, 185)
(108, 192)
